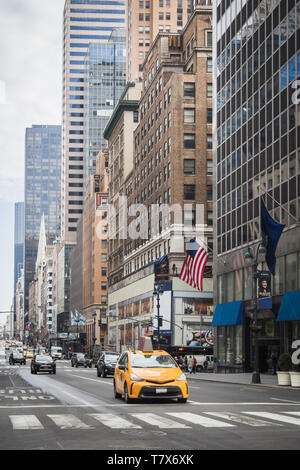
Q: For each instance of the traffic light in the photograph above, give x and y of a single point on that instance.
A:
(160, 321)
(99, 323)
(151, 323)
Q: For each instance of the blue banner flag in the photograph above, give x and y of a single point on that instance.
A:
(271, 231)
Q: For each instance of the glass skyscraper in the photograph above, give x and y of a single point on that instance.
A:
(86, 22)
(18, 243)
(105, 82)
(42, 191)
(257, 155)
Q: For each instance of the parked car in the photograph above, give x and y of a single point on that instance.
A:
(106, 363)
(43, 363)
(80, 359)
(16, 357)
(204, 363)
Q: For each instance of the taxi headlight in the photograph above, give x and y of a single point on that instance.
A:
(135, 377)
(182, 377)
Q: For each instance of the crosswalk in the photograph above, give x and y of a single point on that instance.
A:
(165, 421)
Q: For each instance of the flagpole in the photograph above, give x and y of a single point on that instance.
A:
(210, 250)
(273, 199)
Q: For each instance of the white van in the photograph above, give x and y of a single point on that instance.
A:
(56, 352)
(204, 363)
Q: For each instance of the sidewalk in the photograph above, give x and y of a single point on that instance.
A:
(241, 379)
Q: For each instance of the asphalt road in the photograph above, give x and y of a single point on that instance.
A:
(76, 410)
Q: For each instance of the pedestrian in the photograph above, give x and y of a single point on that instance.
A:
(194, 364)
(190, 364)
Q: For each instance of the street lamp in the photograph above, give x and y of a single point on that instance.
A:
(158, 290)
(251, 254)
(94, 338)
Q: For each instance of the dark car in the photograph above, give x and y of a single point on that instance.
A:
(16, 358)
(80, 359)
(106, 363)
(42, 363)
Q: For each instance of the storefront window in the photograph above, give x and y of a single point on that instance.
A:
(278, 279)
(238, 350)
(229, 340)
(145, 306)
(198, 306)
(220, 335)
(291, 269)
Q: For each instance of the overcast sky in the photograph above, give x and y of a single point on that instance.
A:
(31, 74)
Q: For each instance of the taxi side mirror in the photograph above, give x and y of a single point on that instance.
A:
(121, 367)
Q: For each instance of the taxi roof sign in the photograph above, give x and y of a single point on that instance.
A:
(145, 344)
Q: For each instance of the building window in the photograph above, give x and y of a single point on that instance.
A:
(209, 167)
(189, 90)
(189, 218)
(209, 218)
(209, 116)
(209, 193)
(189, 166)
(189, 141)
(209, 41)
(209, 141)
(209, 65)
(189, 116)
(189, 192)
(209, 89)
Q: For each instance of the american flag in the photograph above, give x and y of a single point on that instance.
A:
(193, 266)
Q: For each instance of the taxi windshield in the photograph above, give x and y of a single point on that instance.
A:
(152, 361)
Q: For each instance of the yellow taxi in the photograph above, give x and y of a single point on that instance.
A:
(29, 354)
(148, 373)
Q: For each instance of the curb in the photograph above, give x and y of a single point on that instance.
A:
(281, 387)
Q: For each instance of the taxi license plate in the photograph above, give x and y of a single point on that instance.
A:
(161, 390)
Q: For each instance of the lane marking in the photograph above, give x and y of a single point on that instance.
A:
(202, 420)
(275, 416)
(282, 399)
(69, 422)
(95, 380)
(25, 422)
(160, 421)
(114, 421)
(236, 418)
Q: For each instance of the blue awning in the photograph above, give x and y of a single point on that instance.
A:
(290, 307)
(228, 314)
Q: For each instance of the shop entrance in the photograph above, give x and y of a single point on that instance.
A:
(268, 353)
(268, 346)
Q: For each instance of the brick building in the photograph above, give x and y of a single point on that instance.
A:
(145, 19)
(171, 164)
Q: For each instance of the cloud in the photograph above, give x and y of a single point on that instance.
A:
(31, 69)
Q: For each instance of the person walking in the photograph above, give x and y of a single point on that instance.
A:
(190, 364)
(194, 364)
